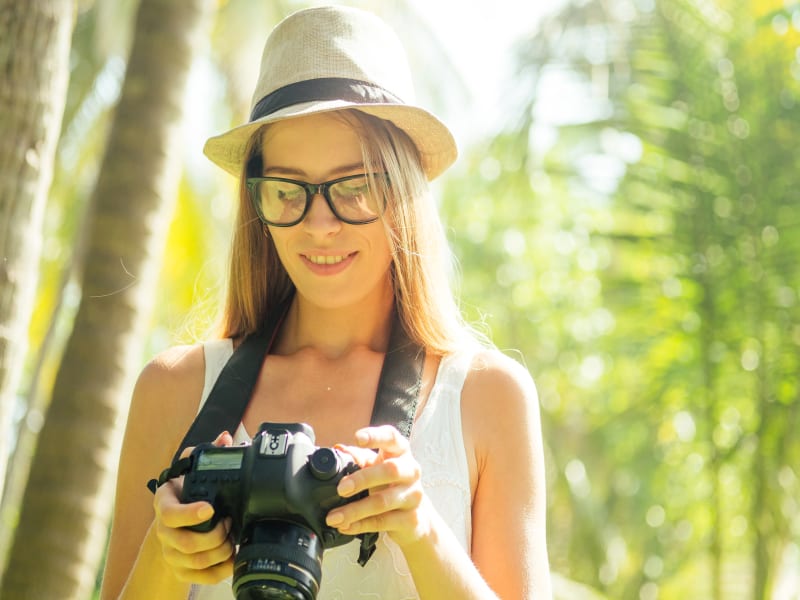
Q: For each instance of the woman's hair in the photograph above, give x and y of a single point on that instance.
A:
(421, 259)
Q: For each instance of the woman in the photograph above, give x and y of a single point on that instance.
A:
(334, 213)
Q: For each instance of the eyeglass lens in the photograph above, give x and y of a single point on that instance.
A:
(284, 202)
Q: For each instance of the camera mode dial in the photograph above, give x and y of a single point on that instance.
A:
(324, 463)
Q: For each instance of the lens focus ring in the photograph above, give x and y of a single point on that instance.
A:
(281, 560)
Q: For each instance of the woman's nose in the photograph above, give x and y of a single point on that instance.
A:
(320, 217)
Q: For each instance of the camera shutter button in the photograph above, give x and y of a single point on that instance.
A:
(324, 463)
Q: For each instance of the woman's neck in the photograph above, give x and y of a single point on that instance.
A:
(335, 331)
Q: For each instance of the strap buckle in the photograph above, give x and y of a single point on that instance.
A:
(176, 469)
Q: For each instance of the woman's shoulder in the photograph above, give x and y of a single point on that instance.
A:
(499, 403)
(175, 367)
(168, 390)
(493, 371)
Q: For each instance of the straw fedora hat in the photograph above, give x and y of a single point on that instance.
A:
(333, 58)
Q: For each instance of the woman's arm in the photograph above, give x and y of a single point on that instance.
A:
(398, 506)
(502, 436)
(500, 412)
(163, 406)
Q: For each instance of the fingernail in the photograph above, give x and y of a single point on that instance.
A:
(205, 512)
(362, 437)
(334, 518)
(345, 487)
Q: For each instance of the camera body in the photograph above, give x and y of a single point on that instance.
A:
(277, 491)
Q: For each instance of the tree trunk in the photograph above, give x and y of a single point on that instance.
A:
(34, 70)
(63, 524)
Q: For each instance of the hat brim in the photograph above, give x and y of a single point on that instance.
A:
(436, 145)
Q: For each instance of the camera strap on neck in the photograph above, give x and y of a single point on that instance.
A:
(395, 401)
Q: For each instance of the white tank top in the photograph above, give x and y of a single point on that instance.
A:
(438, 445)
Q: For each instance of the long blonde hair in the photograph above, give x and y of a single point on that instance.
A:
(421, 260)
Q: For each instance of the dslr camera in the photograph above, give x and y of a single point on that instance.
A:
(277, 492)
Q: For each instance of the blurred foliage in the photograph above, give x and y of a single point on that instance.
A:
(635, 233)
(631, 235)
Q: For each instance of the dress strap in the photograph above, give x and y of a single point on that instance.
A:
(216, 354)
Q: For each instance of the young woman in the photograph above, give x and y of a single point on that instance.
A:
(335, 215)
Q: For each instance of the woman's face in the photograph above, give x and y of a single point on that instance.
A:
(332, 264)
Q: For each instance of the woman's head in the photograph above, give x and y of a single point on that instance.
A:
(404, 249)
(346, 64)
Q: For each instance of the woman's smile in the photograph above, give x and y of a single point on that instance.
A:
(320, 259)
(328, 264)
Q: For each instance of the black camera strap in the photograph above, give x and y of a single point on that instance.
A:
(395, 401)
(227, 401)
(224, 408)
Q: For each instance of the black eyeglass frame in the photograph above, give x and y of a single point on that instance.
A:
(311, 189)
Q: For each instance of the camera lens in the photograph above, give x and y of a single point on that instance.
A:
(278, 560)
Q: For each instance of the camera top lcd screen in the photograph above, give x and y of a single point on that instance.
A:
(220, 461)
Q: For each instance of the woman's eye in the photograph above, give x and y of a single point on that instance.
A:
(353, 190)
(290, 195)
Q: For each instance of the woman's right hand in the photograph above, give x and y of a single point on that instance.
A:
(204, 558)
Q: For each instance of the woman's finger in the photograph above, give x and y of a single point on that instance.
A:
(201, 557)
(404, 524)
(190, 542)
(383, 437)
(361, 456)
(391, 472)
(172, 513)
(388, 499)
(223, 439)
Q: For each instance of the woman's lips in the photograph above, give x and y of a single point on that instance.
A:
(326, 260)
(328, 264)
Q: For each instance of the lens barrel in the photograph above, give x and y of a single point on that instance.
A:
(278, 560)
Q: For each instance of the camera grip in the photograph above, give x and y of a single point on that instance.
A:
(194, 491)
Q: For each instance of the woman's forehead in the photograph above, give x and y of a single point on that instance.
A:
(313, 143)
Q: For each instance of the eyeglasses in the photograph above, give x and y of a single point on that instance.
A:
(285, 202)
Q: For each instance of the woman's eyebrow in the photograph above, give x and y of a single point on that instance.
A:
(295, 172)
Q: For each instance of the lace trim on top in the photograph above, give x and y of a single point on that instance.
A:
(438, 445)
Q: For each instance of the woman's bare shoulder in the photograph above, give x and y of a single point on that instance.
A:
(499, 403)
(175, 368)
(492, 371)
(170, 385)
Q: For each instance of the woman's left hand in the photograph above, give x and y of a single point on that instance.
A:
(396, 502)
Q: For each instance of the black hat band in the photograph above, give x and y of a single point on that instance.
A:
(327, 88)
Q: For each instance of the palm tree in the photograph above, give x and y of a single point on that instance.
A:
(34, 58)
(61, 533)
